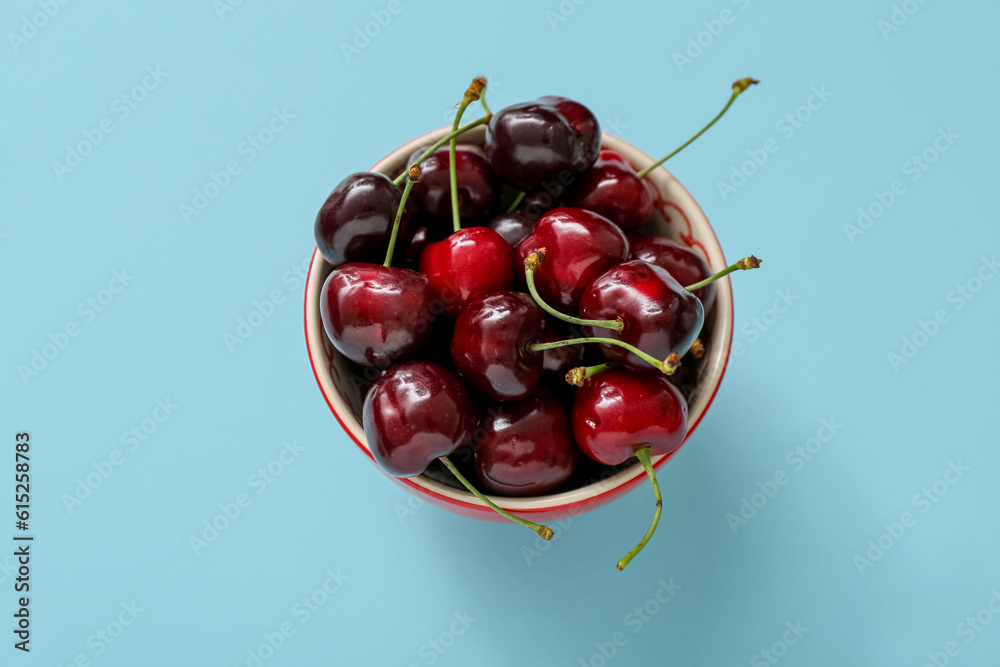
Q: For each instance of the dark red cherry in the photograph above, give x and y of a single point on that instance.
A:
(476, 188)
(513, 227)
(612, 188)
(490, 346)
(376, 315)
(557, 361)
(355, 222)
(543, 141)
(470, 263)
(527, 447)
(660, 316)
(579, 246)
(415, 413)
(685, 265)
(421, 239)
(616, 412)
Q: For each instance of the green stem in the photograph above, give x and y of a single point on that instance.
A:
(399, 215)
(738, 88)
(517, 202)
(529, 276)
(577, 375)
(544, 531)
(452, 171)
(645, 458)
(744, 264)
(486, 107)
(441, 142)
(667, 366)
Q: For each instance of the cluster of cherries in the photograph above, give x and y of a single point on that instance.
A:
(472, 332)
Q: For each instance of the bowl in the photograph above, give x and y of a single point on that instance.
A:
(677, 216)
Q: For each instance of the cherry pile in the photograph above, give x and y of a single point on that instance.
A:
(511, 308)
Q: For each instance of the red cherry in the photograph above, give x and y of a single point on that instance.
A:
(685, 265)
(476, 187)
(612, 188)
(557, 361)
(376, 315)
(527, 448)
(468, 264)
(580, 245)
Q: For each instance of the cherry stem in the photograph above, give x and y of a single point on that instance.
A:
(414, 175)
(441, 142)
(744, 264)
(645, 458)
(517, 202)
(472, 93)
(738, 88)
(697, 349)
(667, 366)
(531, 263)
(486, 107)
(544, 531)
(577, 375)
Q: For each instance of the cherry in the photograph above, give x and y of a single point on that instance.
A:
(558, 361)
(468, 264)
(421, 239)
(613, 188)
(375, 315)
(527, 448)
(476, 190)
(685, 265)
(417, 412)
(531, 143)
(657, 314)
(355, 222)
(580, 245)
(617, 415)
(513, 226)
(491, 345)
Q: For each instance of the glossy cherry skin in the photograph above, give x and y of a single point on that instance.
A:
(513, 227)
(534, 143)
(616, 412)
(661, 317)
(416, 412)
(490, 346)
(579, 246)
(613, 188)
(476, 185)
(468, 264)
(375, 315)
(685, 265)
(527, 447)
(355, 221)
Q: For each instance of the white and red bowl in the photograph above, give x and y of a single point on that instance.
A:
(678, 217)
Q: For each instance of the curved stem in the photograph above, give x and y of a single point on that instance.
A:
(441, 142)
(744, 264)
(667, 366)
(517, 202)
(544, 531)
(414, 176)
(645, 458)
(530, 263)
(486, 107)
(738, 88)
(577, 375)
(452, 172)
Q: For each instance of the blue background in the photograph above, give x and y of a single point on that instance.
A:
(409, 572)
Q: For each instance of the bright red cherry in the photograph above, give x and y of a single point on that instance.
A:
(612, 188)
(579, 246)
(685, 265)
(659, 316)
(538, 142)
(470, 263)
(376, 315)
(356, 220)
(527, 448)
(476, 186)
(490, 346)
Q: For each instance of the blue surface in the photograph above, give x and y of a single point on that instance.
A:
(427, 587)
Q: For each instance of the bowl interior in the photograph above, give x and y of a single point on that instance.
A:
(677, 217)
